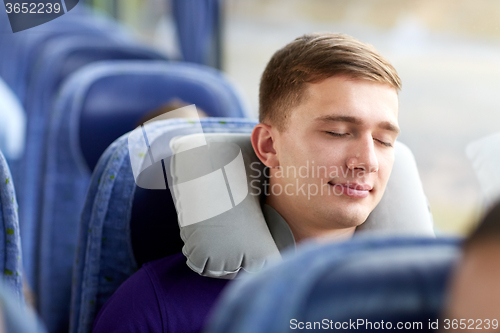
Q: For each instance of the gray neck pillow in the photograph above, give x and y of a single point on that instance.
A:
(217, 193)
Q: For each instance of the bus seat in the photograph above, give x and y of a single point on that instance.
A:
(19, 58)
(63, 57)
(97, 105)
(35, 45)
(124, 226)
(105, 254)
(17, 61)
(363, 281)
(10, 242)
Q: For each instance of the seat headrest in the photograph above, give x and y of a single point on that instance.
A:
(219, 207)
(117, 94)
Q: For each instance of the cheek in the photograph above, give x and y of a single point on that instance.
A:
(329, 154)
(289, 156)
(296, 152)
(386, 163)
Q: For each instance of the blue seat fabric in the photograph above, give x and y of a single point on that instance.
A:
(10, 242)
(373, 279)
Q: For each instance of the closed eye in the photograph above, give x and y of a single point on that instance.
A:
(387, 144)
(338, 135)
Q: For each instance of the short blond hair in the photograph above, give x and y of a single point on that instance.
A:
(313, 58)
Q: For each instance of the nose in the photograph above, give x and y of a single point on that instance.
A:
(362, 156)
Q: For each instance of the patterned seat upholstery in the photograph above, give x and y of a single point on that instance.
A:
(10, 243)
(16, 317)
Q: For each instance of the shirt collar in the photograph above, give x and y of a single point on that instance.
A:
(281, 232)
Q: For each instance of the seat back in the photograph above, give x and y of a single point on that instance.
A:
(356, 284)
(19, 59)
(10, 242)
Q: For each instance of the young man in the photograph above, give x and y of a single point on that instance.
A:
(328, 103)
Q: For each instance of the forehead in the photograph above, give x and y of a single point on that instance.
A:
(369, 101)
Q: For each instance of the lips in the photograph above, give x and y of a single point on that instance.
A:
(353, 190)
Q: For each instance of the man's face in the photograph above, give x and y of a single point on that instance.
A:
(343, 133)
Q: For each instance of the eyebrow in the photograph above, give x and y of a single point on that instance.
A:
(386, 125)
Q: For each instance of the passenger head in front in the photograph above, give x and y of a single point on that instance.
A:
(474, 292)
(328, 124)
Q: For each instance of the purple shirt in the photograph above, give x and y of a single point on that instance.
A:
(163, 296)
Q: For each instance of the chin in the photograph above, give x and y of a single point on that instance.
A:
(348, 217)
(356, 215)
(354, 221)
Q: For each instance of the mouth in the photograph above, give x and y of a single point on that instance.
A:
(352, 190)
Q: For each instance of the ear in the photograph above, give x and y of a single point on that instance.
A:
(263, 142)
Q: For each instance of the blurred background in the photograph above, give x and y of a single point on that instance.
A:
(447, 53)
